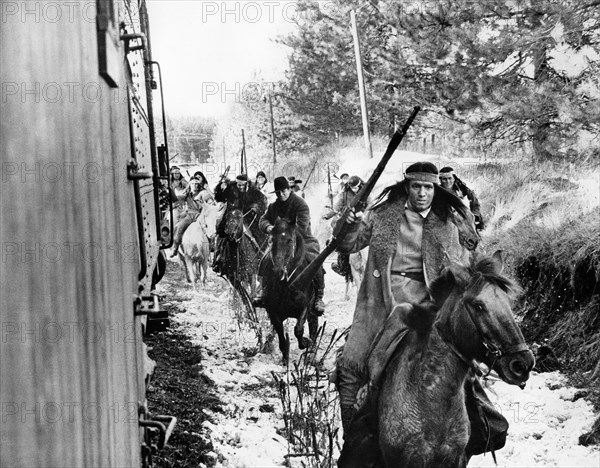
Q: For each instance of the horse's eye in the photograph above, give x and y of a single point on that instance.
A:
(479, 308)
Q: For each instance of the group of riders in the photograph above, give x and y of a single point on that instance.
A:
(411, 236)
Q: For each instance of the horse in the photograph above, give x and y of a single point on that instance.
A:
(467, 233)
(286, 259)
(195, 244)
(422, 413)
(243, 249)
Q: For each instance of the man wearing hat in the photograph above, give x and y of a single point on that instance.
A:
(450, 181)
(290, 206)
(411, 238)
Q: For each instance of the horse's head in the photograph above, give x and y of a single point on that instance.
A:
(234, 224)
(476, 318)
(467, 233)
(284, 245)
(208, 219)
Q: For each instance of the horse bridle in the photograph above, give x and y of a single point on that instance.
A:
(287, 259)
(493, 350)
(241, 222)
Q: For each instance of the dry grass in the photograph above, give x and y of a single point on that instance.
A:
(549, 228)
(311, 406)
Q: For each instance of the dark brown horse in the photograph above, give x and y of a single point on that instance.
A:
(242, 250)
(423, 419)
(286, 260)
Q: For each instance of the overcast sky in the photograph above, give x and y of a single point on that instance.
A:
(210, 50)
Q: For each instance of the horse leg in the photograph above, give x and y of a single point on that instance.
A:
(205, 270)
(347, 293)
(303, 341)
(185, 268)
(313, 325)
(284, 341)
(193, 267)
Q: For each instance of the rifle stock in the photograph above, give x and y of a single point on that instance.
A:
(358, 203)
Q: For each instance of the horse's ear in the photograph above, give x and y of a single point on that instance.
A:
(498, 262)
(452, 276)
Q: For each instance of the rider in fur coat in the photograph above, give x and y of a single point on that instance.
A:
(411, 238)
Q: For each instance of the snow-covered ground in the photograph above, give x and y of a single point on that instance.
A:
(544, 421)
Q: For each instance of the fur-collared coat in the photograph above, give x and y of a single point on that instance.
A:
(379, 230)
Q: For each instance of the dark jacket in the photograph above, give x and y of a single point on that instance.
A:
(252, 198)
(295, 210)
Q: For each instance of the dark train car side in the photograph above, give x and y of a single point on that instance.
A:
(78, 232)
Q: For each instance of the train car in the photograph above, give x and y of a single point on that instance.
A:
(81, 233)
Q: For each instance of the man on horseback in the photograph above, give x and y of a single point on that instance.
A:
(412, 238)
(244, 196)
(354, 184)
(293, 208)
(450, 181)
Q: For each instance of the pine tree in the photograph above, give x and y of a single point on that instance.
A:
(511, 71)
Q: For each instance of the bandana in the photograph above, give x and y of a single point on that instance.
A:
(422, 177)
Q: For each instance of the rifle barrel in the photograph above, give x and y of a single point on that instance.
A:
(359, 200)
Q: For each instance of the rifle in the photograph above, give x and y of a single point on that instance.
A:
(224, 175)
(358, 203)
(329, 189)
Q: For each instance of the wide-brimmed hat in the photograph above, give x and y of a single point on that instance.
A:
(280, 183)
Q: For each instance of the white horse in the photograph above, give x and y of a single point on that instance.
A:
(195, 245)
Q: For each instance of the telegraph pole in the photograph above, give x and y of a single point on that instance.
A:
(361, 85)
(272, 124)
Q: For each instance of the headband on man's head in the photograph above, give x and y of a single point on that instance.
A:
(422, 177)
(242, 178)
(447, 170)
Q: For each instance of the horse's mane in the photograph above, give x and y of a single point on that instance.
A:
(485, 271)
(471, 279)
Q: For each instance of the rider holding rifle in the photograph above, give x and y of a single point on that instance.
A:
(411, 237)
(242, 195)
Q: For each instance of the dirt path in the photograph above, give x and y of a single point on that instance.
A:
(249, 431)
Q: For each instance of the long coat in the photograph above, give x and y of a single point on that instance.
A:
(380, 229)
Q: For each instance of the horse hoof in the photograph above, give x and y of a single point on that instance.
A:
(305, 343)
